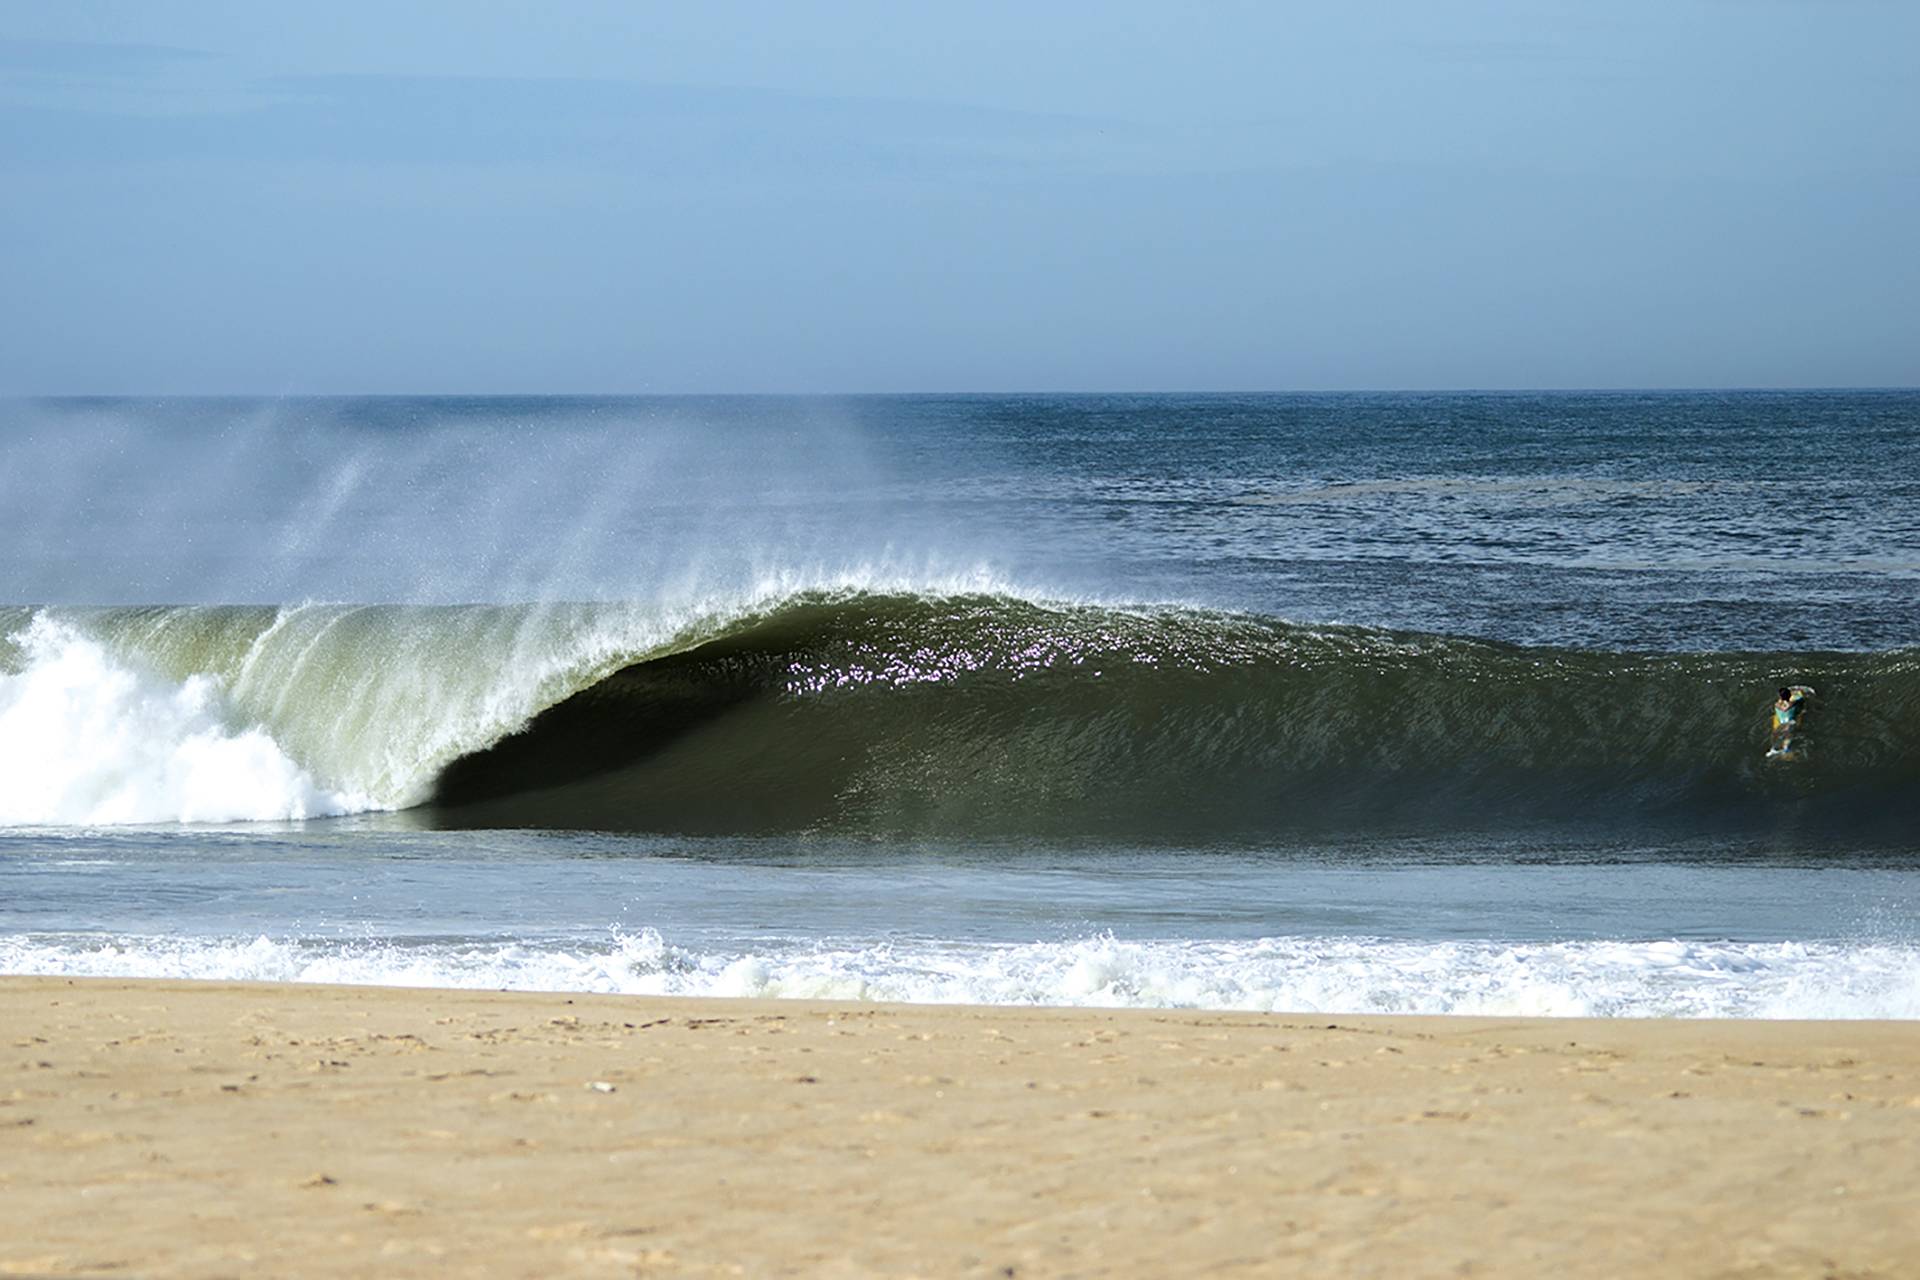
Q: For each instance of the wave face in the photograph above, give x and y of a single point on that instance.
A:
(948, 714)
(991, 716)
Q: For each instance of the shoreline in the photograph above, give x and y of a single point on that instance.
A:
(168, 1127)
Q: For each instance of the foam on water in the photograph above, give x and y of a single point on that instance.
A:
(1322, 975)
(192, 714)
(87, 740)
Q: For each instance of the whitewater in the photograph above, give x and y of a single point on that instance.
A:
(1280, 975)
(198, 714)
(1334, 704)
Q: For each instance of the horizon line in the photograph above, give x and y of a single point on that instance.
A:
(1675, 389)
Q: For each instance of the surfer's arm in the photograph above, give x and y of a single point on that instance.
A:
(1800, 691)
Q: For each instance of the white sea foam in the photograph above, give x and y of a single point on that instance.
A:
(88, 740)
(192, 715)
(1337, 975)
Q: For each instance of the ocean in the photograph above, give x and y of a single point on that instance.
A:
(1441, 703)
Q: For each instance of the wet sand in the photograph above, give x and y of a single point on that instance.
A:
(190, 1129)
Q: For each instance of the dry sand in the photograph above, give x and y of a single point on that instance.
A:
(167, 1129)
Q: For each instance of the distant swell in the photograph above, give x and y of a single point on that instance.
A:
(985, 716)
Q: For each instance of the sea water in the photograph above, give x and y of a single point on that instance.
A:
(1447, 703)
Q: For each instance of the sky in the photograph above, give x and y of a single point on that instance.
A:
(472, 197)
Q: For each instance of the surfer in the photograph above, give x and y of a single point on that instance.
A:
(1786, 717)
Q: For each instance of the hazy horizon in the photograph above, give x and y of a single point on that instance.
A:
(933, 393)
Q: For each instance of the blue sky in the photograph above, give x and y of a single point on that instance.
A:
(470, 197)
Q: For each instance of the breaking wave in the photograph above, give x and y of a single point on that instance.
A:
(960, 711)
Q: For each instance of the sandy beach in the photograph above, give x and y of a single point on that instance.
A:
(164, 1128)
